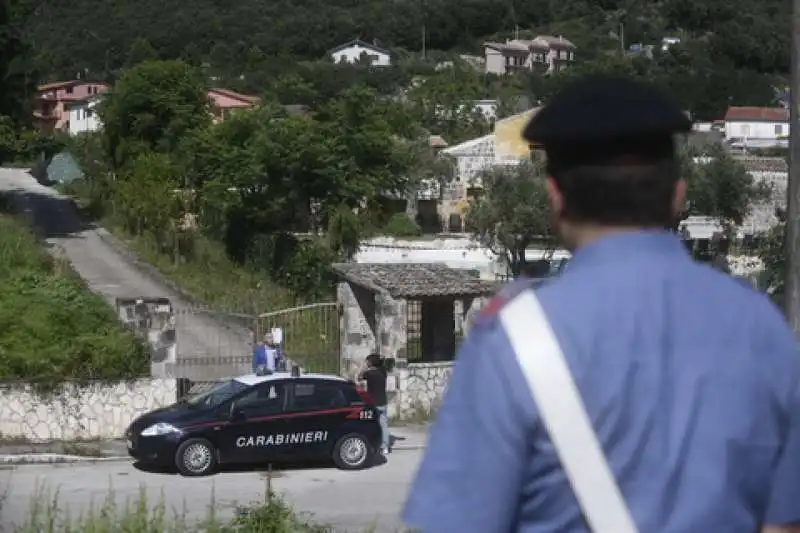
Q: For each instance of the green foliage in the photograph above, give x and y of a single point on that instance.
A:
(25, 147)
(730, 53)
(721, 188)
(51, 326)
(145, 199)
(151, 107)
(344, 232)
(401, 225)
(140, 51)
(513, 213)
(18, 80)
(48, 514)
(442, 103)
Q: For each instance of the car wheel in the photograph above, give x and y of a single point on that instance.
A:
(352, 452)
(196, 457)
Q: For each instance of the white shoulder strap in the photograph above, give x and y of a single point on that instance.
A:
(559, 404)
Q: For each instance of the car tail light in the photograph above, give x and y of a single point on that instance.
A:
(365, 396)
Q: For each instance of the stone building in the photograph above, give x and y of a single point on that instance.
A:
(413, 314)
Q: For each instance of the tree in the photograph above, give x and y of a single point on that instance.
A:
(266, 173)
(16, 78)
(151, 108)
(443, 104)
(140, 51)
(513, 212)
(146, 201)
(720, 187)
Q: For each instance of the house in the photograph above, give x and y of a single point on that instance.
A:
(224, 102)
(83, 116)
(756, 127)
(358, 51)
(545, 53)
(53, 100)
(510, 147)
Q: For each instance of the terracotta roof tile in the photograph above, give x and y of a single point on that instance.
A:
(757, 114)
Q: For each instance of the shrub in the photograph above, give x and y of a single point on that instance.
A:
(400, 225)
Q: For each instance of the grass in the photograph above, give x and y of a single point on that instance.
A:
(212, 278)
(52, 327)
(274, 515)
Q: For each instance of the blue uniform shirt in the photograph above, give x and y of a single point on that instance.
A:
(690, 380)
(264, 356)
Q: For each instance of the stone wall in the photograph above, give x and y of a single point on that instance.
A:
(95, 411)
(369, 322)
(420, 387)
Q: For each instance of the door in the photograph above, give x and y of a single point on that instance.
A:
(315, 412)
(255, 424)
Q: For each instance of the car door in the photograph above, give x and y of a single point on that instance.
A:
(315, 411)
(252, 432)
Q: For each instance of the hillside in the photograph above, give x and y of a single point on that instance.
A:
(71, 36)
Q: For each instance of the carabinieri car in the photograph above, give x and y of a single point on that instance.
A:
(260, 419)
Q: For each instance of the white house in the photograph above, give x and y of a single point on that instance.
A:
(757, 127)
(357, 49)
(83, 115)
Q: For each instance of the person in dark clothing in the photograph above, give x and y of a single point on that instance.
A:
(375, 375)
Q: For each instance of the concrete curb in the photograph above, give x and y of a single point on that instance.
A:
(56, 458)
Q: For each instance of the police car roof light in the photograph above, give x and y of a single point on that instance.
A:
(295, 371)
(262, 371)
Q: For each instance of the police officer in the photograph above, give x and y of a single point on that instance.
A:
(689, 379)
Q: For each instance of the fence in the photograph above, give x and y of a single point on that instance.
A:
(310, 335)
(213, 345)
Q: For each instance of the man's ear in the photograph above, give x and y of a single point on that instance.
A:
(679, 197)
(554, 195)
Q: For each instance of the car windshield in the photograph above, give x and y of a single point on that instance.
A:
(217, 395)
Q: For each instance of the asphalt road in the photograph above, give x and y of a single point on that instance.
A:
(349, 501)
(110, 274)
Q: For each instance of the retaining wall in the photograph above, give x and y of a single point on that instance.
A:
(72, 412)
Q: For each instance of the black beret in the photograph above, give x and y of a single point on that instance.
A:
(605, 107)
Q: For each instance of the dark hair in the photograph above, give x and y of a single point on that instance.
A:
(624, 194)
(375, 359)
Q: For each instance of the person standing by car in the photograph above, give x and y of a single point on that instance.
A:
(264, 355)
(375, 375)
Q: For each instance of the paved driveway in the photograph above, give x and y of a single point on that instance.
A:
(112, 275)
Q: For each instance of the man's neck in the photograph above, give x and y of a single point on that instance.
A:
(588, 234)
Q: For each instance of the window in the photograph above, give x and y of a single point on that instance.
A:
(317, 396)
(265, 399)
(414, 330)
(778, 129)
(745, 130)
(69, 90)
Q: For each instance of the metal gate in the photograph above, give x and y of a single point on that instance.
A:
(310, 335)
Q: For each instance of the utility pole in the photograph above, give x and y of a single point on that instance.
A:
(792, 295)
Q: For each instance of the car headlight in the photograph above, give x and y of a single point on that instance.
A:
(161, 428)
